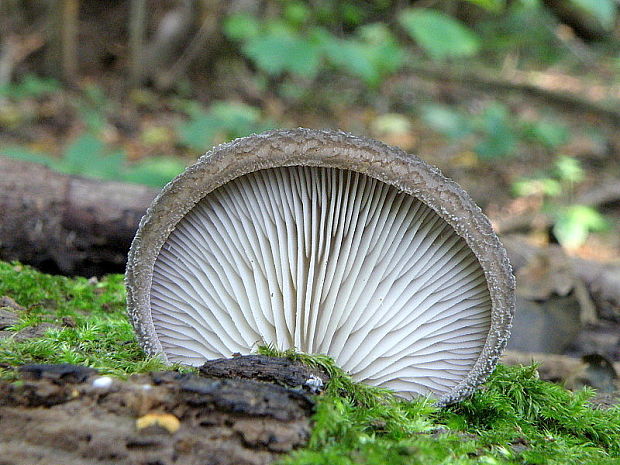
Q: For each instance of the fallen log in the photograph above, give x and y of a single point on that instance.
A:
(67, 224)
(68, 414)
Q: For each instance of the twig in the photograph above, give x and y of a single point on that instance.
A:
(137, 27)
(519, 83)
(190, 52)
(70, 9)
(14, 50)
(7, 59)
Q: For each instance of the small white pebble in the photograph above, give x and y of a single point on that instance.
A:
(315, 384)
(103, 382)
(146, 387)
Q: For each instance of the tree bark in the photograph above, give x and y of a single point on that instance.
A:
(67, 224)
(58, 414)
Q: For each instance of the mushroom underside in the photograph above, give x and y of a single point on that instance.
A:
(327, 261)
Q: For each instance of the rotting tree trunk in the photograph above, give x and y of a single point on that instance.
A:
(67, 224)
(57, 415)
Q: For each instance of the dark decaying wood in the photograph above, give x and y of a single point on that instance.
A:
(282, 371)
(67, 224)
(60, 414)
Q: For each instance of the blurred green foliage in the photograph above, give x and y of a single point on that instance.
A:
(221, 122)
(493, 132)
(572, 222)
(440, 35)
(31, 86)
(295, 47)
(282, 45)
(88, 156)
(302, 41)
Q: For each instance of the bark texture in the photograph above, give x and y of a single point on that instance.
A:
(67, 224)
(60, 414)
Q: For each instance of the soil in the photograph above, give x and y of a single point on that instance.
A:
(72, 415)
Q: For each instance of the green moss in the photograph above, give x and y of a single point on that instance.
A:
(90, 324)
(514, 419)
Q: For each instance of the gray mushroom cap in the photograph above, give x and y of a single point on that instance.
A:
(329, 243)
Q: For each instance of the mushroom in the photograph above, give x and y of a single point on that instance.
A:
(329, 243)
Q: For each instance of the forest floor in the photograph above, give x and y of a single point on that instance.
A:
(562, 159)
(75, 387)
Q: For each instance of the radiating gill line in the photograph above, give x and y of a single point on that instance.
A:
(361, 272)
(196, 319)
(235, 276)
(197, 300)
(211, 285)
(325, 260)
(281, 211)
(348, 282)
(300, 272)
(273, 257)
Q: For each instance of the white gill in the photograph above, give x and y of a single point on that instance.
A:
(327, 261)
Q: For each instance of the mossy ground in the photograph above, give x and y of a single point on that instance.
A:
(98, 334)
(514, 419)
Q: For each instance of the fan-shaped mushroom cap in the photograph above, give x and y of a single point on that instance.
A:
(328, 243)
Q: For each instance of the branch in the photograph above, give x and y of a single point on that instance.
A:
(67, 224)
(524, 83)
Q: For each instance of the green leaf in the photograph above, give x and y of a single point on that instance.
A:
(281, 51)
(352, 14)
(227, 120)
(87, 156)
(24, 154)
(106, 166)
(447, 121)
(31, 86)
(234, 116)
(353, 57)
(438, 34)
(490, 5)
(83, 151)
(155, 172)
(199, 132)
(93, 116)
(604, 11)
(499, 138)
(241, 27)
(549, 133)
(575, 223)
(382, 49)
(296, 12)
(370, 56)
(569, 169)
